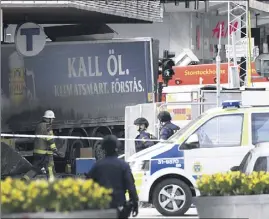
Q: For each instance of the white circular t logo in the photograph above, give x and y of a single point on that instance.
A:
(30, 39)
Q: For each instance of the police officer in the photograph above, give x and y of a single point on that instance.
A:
(142, 125)
(167, 127)
(43, 149)
(114, 173)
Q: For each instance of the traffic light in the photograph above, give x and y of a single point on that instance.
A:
(167, 66)
(160, 66)
(167, 69)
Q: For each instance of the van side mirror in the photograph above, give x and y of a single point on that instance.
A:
(193, 139)
(235, 168)
(192, 142)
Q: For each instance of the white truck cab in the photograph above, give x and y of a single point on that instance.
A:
(218, 139)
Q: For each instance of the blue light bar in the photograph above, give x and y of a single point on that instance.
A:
(231, 104)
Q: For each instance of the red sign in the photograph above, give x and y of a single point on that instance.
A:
(191, 75)
(179, 111)
(224, 29)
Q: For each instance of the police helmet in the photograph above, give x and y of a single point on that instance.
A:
(164, 116)
(141, 121)
(49, 114)
(110, 144)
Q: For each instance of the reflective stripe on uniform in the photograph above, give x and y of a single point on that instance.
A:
(39, 151)
(51, 175)
(50, 139)
(53, 146)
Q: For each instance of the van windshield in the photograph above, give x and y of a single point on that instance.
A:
(177, 135)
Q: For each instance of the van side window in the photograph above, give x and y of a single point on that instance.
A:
(221, 131)
(260, 127)
(261, 164)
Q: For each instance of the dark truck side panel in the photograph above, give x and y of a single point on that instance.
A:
(84, 83)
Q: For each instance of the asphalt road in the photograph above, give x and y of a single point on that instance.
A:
(153, 213)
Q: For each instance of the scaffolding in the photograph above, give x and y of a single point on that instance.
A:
(239, 10)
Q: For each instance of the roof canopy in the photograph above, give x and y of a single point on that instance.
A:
(84, 11)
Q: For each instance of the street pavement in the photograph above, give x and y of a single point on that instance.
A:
(153, 213)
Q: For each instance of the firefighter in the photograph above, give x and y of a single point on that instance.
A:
(44, 148)
(167, 127)
(142, 125)
(114, 173)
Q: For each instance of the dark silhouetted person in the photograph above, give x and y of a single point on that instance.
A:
(114, 173)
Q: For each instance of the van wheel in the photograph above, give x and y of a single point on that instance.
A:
(172, 197)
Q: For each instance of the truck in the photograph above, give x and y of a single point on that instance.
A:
(87, 84)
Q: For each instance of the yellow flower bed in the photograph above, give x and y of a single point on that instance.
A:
(234, 183)
(61, 195)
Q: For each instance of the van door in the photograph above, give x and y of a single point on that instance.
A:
(219, 145)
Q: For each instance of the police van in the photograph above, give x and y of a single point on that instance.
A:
(215, 141)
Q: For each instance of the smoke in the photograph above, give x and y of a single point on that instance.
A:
(5, 102)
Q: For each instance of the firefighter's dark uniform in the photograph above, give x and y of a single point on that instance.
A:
(141, 145)
(167, 130)
(43, 152)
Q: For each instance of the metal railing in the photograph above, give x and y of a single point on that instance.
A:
(148, 10)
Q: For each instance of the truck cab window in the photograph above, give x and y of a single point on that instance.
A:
(221, 131)
(261, 164)
(260, 127)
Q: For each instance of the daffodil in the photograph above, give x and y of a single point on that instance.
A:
(59, 195)
(234, 183)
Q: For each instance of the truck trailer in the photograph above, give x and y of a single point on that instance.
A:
(87, 84)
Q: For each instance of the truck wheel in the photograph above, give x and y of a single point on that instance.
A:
(98, 151)
(172, 197)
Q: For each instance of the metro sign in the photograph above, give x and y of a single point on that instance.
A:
(30, 39)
